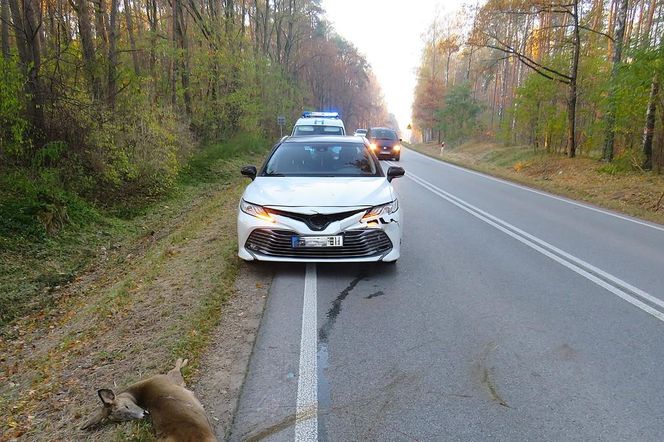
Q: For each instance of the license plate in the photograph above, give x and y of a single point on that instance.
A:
(317, 241)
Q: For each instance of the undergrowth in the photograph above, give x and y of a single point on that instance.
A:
(49, 233)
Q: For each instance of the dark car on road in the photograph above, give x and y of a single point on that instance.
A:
(385, 142)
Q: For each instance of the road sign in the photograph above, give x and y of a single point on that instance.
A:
(281, 120)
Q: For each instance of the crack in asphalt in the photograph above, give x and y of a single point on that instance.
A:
(374, 295)
(333, 312)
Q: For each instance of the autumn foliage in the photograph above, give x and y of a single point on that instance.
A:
(580, 77)
(127, 89)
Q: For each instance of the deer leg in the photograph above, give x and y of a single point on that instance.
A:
(176, 374)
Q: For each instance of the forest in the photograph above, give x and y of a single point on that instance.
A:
(103, 101)
(575, 78)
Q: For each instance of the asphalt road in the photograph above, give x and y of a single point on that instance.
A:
(511, 315)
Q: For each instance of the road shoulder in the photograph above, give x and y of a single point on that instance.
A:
(224, 367)
(637, 194)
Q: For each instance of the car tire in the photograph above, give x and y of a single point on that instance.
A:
(397, 158)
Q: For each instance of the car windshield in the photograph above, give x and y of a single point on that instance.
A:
(317, 130)
(321, 159)
(383, 134)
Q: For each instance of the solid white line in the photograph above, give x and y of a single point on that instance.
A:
(505, 228)
(538, 192)
(306, 415)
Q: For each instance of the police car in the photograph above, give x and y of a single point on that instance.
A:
(319, 123)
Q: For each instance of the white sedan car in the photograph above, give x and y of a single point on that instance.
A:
(322, 198)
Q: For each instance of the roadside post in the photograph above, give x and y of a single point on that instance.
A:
(281, 120)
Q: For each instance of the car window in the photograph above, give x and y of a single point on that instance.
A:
(321, 159)
(318, 130)
(383, 134)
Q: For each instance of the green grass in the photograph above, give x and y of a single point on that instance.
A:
(49, 234)
(508, 157)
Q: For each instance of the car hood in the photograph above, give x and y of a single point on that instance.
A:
(383, 142)
(326, 194)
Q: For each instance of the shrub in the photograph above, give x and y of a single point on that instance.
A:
(13, 127)
(35, 204)
(133, 151)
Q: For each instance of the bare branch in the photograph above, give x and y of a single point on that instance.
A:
(523, 58)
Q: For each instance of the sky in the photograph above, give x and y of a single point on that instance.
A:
(389, 34)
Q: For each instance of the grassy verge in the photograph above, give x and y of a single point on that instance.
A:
(35, 264)
(614, 186)
(154, 297)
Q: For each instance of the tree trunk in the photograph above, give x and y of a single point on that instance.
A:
(243, 14)
(182, 58)
(649, 131)
(112, 54)
(503, 91)
(648, 26)
(266, 23)
(151, 12)
(610, 118)
(88, 44)
(100, 26)
(32, 23)
(229, 16)
(447, 68)
(132, 39)
(572, 97)
(19, 33)
(174, 63)
(4, 32)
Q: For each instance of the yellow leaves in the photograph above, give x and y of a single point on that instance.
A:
(520, 165)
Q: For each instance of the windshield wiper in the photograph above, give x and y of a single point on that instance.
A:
(273, 174)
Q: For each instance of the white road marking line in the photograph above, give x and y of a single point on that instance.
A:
(555, 197)
(539, 245)
(306, 415)
(578, 261)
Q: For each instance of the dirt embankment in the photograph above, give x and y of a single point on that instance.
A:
(634, 192)
(171, 293)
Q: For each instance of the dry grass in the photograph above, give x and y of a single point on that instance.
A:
(129, 317)
(635, 193)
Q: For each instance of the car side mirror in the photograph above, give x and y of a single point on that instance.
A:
(249, 171)
(400, 140)
(395, 172)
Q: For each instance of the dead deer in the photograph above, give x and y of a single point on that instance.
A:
(177, 416)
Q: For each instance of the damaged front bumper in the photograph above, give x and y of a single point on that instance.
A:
(365, 240)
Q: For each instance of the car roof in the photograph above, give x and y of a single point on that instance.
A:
(383, 128)
(324, 139)
(319, 122)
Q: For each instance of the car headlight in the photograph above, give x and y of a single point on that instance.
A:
(383, 209)
(373, 146)
(397, 147)
(256, 210)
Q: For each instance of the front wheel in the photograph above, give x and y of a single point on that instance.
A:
(397, 158)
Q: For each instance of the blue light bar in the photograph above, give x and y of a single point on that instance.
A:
(310, 114)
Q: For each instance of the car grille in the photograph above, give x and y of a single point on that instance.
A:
(357, 244)
(318, 221)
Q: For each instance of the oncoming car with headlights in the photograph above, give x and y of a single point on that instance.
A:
(323, 198)
(385, 143)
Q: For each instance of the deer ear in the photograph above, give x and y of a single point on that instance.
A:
(107, 396)
(101, 414)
